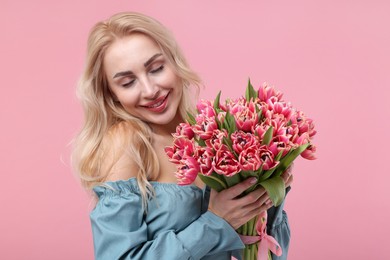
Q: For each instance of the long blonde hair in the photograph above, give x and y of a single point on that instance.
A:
(103, 115)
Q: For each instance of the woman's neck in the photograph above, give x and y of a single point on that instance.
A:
(168, 129)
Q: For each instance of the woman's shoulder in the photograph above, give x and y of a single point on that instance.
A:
(117, 187)
(130, 189)
(116, 162)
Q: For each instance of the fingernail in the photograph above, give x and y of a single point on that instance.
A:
(252, 180)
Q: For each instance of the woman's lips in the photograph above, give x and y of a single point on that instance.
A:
(158, 105)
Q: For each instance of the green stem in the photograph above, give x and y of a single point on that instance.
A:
(254, 221)
(256, 251)
(239, 230)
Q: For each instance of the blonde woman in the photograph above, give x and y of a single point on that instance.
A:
(135, 90)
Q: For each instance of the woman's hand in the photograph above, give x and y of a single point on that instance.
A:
(237, 211)
(287, 176)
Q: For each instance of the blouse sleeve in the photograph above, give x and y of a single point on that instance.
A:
(279, 228)
(120, 232)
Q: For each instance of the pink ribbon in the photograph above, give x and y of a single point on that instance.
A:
(266, 242)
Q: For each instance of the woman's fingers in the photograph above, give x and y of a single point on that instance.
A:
(257, 210)
(287, 175)
(289, 181)
(239, 188)
(246, 213)
(254, 196)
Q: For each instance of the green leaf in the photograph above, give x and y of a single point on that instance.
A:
(201, 142)
(219, 124)
(229, 143)
(225, 123)
(275, 189)
(247, 174)
(268, 136)
(259, 115)
(232, 180)
(267, 174)
(191, 119)
(277, 158)
(229, 123)
(216, 102)
(213, 182)
(250, 92)
(289, 158)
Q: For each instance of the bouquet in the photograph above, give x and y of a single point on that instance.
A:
(257, 135)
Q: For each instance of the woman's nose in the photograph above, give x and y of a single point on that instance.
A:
(149, 89)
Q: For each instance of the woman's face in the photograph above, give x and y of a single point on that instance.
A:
(143, 80)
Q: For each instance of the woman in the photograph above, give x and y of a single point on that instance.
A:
(135, 90)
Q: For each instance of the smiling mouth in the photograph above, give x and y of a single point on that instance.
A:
(159, 102)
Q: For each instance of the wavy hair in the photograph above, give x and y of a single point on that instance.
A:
(103, 116)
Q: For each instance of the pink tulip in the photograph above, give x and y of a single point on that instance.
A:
(265, 92)
(280, 108)
(184, 130)
(242, 141)
(205, 157)
(223, 107)
(298, 140)
(221, 116)
(249, 158)
(225, 163)
(279, 125)
(245, 115)
(206, 108)
(266, 113)
(280, 143)
(267, 158)
(216, 140)
(172, 154)
(292, 132)
(261, 129)
(305, 125)
(204, 126)
(309, 153)
(182, 148)
(187, 171)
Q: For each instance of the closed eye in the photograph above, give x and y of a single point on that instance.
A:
(129, 83)
(158, 69)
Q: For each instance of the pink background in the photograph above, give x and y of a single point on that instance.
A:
(330, 58)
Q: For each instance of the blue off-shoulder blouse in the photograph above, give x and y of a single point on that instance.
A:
(176, 225)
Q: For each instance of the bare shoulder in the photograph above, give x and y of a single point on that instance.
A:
(117, 162)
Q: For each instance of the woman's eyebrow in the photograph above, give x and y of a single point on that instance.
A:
(123, 73)
(152, 59)
(129, 72)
